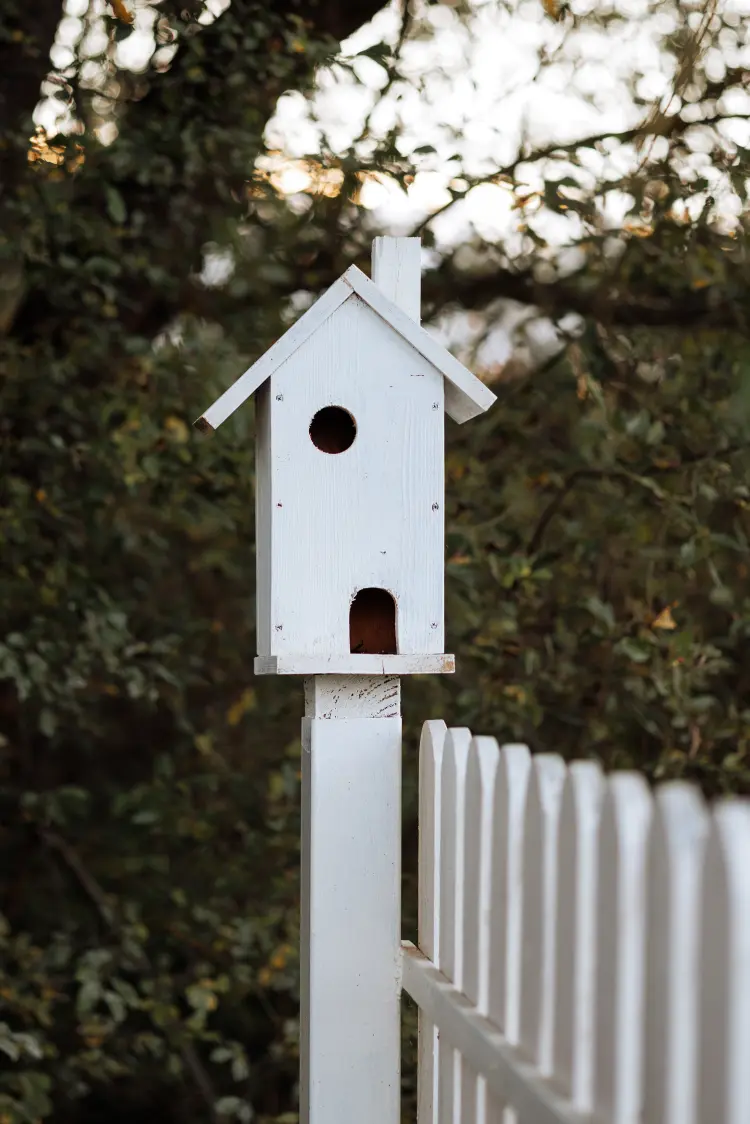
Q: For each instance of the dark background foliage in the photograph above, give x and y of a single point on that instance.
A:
(597, 519)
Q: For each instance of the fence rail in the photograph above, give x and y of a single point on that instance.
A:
(584, 943)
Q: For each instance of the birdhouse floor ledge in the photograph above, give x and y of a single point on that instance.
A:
(432, 663)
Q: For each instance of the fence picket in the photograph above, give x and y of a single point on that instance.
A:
(583, 943)
(724, 1073)
(676, 848)
(576, 933)
(452, 820)
(430, 761)
(621, 908)
(506, 901)
(484, 756)
(539, 908)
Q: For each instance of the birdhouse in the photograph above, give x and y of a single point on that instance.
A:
(350, 477)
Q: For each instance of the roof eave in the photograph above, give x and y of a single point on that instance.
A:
(466, 396)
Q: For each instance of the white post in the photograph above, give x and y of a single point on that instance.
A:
(351, 901)
(351, 861)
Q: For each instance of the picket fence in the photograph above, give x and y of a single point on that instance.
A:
(584, 943)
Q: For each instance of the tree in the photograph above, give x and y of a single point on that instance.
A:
(597, 521)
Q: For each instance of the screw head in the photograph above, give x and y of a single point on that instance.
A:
(436, 507)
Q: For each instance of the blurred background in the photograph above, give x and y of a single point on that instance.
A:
(178, 181)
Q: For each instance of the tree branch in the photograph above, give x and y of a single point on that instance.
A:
(664, 127)
(580, 474)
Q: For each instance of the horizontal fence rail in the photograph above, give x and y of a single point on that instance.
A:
(584, 943)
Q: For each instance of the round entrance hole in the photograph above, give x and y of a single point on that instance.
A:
(333, 430)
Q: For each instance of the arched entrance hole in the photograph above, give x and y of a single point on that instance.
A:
(372, 622)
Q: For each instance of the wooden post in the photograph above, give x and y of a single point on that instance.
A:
(351, 861)
(350, 490)
(351, 901)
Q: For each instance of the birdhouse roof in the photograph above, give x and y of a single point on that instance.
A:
(466, 396)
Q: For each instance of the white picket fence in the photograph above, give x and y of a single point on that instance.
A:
(584, 944)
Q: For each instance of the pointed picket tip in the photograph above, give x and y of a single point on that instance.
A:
(724, 1011)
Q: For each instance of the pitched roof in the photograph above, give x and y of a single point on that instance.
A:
(466, 396)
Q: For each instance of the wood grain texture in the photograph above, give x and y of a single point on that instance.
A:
(350, 929)
(347, 664)
(510, 1078)
(430, 766)
(452, 832)
(263, 521)
(466, 395)
(371, 516)
(397, 272)
(263, 368)
(352, 696)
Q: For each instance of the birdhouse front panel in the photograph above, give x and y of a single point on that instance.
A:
(350, 494)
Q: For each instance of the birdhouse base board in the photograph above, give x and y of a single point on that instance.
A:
(431, 663)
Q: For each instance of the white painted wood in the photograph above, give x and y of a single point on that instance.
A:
(576, 933)
(507, 1071)
(506, 904)
(430, 766)
(358, 664)
(452, 827)
(540, 908)
(350, 930)
(676, 848)
(621, 906)
(269, 362)
(466, 396)
(724, 1073)
(484, 757)
(370, 516)
(397, 272)
(352, 696)
(263, 453)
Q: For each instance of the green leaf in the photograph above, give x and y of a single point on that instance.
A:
(115, 205)
(602, 611)
(634, 650)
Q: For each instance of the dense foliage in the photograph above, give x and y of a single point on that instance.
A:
(597, 517)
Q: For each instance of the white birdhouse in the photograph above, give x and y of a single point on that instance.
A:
(350, 477)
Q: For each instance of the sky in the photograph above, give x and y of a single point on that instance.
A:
(473, 89)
